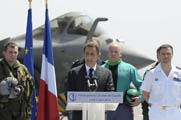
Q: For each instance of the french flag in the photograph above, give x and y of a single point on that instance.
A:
(47, 100)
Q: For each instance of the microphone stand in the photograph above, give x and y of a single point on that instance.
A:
(94, 84)
(91, 83)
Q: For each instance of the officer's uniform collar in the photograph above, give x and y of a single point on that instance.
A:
(158, 68)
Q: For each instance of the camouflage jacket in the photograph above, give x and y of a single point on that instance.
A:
(21, 73)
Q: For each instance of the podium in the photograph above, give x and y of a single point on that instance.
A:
(93, 104)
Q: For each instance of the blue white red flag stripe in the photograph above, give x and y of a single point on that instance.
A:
(48, 75)
(48, 101)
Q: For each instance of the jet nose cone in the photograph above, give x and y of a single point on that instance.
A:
(137, 59)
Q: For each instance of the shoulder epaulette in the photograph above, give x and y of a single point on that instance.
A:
(76, 61)
(150, 69)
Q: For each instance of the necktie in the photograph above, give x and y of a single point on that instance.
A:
(91, 72)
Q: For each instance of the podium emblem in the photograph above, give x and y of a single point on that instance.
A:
(72, 97)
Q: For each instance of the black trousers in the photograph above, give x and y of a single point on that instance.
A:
(123, 112)
(145, 109)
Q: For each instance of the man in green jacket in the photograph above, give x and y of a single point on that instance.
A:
(123, 74)
(16, 86)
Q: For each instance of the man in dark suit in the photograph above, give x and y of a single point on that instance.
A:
(77, 76)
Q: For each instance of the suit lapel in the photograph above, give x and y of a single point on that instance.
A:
(83, 71)
(98, 73)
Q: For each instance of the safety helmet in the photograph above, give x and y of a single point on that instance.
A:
(9, 87)
(129, 95)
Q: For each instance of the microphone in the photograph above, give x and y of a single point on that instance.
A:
(94, 84)
(87, 79)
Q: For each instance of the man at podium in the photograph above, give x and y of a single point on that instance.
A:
(89, 76)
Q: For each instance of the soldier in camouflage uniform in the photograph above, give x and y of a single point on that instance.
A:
(16, 86)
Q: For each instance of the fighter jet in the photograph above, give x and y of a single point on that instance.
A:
(69, 34)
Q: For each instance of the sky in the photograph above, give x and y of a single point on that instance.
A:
(142, 24)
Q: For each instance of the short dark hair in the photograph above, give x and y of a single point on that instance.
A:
(11, 44)
(164, 46)
(94, 40)
(92, 44)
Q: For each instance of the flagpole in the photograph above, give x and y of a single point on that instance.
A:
(30, 4)
(46, 4)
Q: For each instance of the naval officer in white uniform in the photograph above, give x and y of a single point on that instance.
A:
(162, 87)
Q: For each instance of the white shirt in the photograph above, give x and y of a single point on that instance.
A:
(164, 90)
(87, 69)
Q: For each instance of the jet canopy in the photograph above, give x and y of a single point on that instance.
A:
(76, 24)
